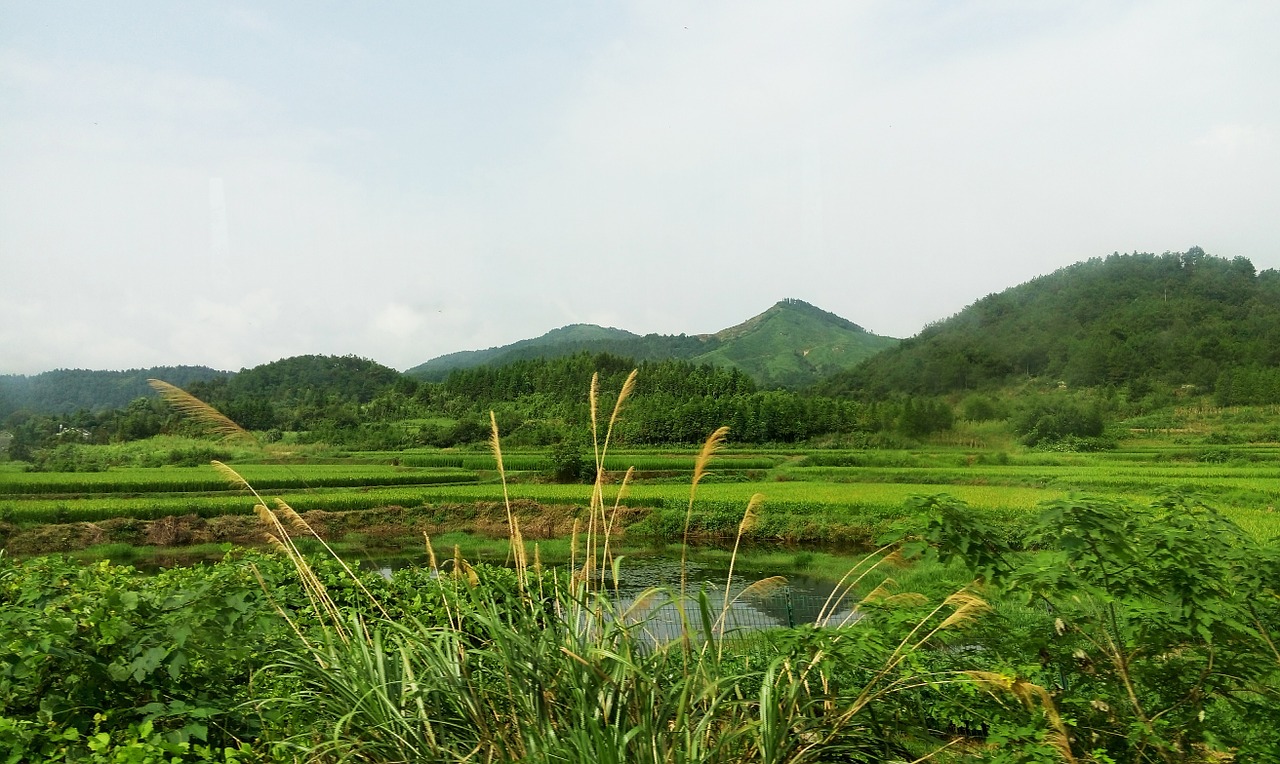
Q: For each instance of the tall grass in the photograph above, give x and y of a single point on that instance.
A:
(556, 668)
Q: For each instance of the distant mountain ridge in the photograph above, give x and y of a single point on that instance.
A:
(573, 335)
(792, 344)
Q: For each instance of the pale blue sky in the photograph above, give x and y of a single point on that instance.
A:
(403, 180)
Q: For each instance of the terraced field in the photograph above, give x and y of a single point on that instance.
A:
(815, 496)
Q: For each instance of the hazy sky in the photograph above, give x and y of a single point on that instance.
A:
(222, 184)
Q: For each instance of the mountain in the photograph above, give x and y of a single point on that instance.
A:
(63, 391)
(566, 340)
(287, 392)
(1180, 318)
(792, 344)
(309, 379)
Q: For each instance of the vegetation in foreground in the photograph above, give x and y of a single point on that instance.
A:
(1117, 633)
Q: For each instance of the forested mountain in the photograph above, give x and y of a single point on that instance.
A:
(290, 393)
(539, 401)
(792, 344)
(66, 390)
(567, 340)
(1178, 319)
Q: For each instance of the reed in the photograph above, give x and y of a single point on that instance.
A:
(558, 672)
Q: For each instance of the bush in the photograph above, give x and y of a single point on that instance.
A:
(1057, 418)
(566, 463)
(980, 408)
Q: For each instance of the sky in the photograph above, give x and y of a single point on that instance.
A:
(229, 184)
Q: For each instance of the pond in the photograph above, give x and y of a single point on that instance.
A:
(754, 603)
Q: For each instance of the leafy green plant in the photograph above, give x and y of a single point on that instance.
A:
(1164, 619)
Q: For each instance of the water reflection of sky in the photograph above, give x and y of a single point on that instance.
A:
(800, 600)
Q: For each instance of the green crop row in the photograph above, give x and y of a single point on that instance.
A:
(1246, 493)
(645, 462)
(206, 478)
(94, 509)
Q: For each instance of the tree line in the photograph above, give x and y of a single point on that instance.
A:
(358, 403)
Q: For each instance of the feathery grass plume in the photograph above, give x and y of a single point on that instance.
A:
(231, 476)
(913, 599)
(431, 552)
(462, 568)
(513, 532)
(265, 516)
(592, 397)
(296, 524)
(296, 521)
(967, 607)
(712, 445)
(1029, 693)
(765, 587)
(627, 388)
(275, 543)
(594, 506)
(598, 522)
(710, 448)
(200, 412)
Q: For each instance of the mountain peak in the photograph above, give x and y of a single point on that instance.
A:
(799, 309)
(792, 344)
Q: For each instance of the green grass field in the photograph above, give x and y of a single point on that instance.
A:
(808, 496)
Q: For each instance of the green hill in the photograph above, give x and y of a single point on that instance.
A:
(792, 344)
(567, 340)
(63, 391)
(1177, 319)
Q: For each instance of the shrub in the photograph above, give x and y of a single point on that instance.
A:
(1054, 418)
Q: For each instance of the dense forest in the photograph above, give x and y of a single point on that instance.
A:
(1126, 320)
(63, 391)
(357, 403)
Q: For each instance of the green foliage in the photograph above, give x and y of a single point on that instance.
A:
(981, 408)
(66, 391)
(1054, 418)
(1164, 618)
(793, 345)
(1176, 318)
(567, 463)
(607, 689)
(131, 666)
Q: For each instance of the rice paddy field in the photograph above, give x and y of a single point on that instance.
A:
(809, 496)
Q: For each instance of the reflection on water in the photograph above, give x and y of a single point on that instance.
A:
(800, 600)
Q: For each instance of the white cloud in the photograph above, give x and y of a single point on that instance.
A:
(1231, 141)
(447, 181)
